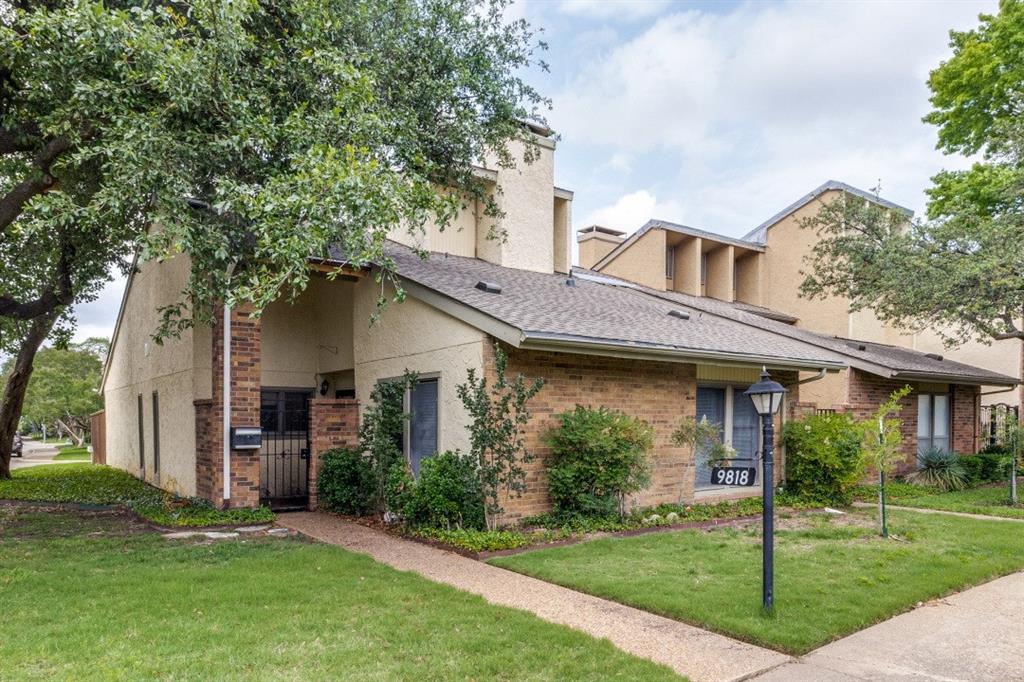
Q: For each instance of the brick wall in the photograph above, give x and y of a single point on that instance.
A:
(245, 411)
(865, 392)
(658, 392)
(333, 423)
(966, 436)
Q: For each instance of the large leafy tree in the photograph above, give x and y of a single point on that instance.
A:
(251, 134)
(64, 389)
(961, 272)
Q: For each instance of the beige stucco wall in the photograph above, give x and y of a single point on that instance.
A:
(787, 247)
(687, 266)
(594, 246)
(749, 273)
(720, 273)
(527, 200)
(457, 238)
(643, 262)
(562, 244)
(138, 366)
(310, 339)
(415, 336)
(1000, 356)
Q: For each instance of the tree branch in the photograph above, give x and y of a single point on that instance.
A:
(60, 295)
(14, 201)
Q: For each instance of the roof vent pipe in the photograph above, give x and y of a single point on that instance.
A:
(489, 287)
(682, 315)
(933, 356)
(571, 281)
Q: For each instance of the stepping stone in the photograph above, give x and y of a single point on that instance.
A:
(181, 535)
(251, 529)
(279, 532)
(218, 535)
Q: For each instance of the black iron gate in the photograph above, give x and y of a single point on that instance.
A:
(284, 457)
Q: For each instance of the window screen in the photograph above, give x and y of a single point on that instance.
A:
(710, 406)
(933, 422)
(670, 262)
(422, 422)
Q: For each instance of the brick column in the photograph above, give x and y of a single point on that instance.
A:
(333, 423)
(245, 411)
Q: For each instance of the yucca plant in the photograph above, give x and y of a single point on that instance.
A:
(940, 469)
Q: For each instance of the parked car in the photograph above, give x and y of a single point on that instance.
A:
(18, 444)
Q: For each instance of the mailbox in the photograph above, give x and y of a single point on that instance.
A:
(246, 438)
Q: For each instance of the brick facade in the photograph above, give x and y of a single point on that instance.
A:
(333, 423)
(865, 392)
(660, 393)
(245, 411)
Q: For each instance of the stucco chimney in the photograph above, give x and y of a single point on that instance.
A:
(596, 242)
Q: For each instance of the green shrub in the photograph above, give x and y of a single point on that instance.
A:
(940, 469)
(598, 457)
(823, 457)
(986, 467)
(346, 483)
(446, 495)
(995, 449)
(475, 540)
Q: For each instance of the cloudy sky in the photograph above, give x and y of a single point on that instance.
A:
(719, 114)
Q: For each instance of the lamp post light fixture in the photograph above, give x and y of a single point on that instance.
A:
(767, 398)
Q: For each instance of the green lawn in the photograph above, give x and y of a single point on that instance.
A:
(834, 576)
(96, 484)
(991, 500)
(73, 452)
(93, 598)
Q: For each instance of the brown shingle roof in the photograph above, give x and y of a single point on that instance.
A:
(544, 309)
(877, 358)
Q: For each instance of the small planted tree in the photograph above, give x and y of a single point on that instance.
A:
(380, 436)
(881, 442)
(498, 416)
(703, 438)
(1013, 439)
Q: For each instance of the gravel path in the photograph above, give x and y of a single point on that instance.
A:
(698, 654)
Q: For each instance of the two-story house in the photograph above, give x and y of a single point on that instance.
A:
(761, 273)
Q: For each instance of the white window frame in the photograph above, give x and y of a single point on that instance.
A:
(931, 425)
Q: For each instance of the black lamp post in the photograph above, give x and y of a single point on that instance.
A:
(767, 398)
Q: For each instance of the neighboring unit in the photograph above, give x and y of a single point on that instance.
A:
(761, 274)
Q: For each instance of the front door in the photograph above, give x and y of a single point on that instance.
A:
(284, 457)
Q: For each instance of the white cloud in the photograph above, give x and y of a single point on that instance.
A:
(737, 113)
(628, 10)
(632, 210)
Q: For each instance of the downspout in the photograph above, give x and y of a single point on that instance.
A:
(226, 378)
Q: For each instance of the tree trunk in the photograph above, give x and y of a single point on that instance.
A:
(72, 434)
(17, 384)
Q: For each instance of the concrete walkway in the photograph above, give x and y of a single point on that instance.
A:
(973, 636)
(35, 453)
(698, 654)
(924, 510)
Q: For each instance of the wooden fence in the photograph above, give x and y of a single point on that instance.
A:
(99, 437)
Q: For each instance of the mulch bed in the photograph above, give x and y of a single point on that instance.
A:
(396, 530)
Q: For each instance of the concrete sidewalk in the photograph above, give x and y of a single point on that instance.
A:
(973, 636)
(35, 453)
(946, 512)
(698, 654)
